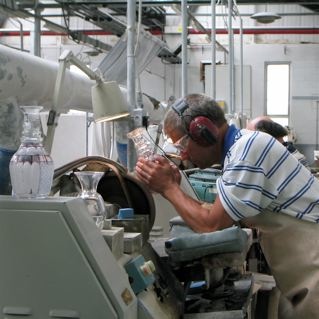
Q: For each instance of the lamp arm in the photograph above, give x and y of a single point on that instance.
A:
(90, 73)
(53, 114)
(101, 92)
(66, 58)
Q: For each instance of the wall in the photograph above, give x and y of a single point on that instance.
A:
(304, 94)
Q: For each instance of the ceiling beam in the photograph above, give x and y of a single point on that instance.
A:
(121, 3)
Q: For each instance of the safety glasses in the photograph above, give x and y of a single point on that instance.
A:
(182, 144)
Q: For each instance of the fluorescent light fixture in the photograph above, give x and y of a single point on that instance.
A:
(108, 102)
(265, 17)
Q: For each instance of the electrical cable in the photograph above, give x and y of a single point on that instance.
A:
(112, 139)
(163, 153)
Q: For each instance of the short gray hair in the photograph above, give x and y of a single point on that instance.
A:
(198, 105)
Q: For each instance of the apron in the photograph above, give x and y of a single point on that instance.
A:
(291, 248)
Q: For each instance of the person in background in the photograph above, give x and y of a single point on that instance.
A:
(262, 186)
(267, 125)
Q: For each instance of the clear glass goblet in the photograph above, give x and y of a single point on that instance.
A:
(95, 203)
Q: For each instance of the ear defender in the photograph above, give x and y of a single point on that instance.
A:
(200, 128)
(203, 131)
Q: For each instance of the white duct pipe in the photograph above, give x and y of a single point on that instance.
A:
(31, 80)
(28, 80)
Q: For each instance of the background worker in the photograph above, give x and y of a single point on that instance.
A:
(267, 125)
(262, 185)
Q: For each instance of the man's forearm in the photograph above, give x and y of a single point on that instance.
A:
(201, 218)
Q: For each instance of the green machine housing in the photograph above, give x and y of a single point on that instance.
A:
(204, 183)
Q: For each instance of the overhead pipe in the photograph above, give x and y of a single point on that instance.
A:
(168, 2)
(248, 14)
(219, 31)
(262, 30)
(23, 80)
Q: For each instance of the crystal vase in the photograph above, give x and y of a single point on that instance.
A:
(142, 142)
(89, 181)
(31, 167)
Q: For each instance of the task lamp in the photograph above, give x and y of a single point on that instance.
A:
(108, 102)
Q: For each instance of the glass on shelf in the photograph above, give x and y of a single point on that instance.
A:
(31, 167)
(89, 181)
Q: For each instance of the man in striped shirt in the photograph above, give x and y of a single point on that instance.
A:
(262, 185)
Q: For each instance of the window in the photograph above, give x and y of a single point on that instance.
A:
(277, 92)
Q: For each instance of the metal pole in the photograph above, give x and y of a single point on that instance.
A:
(131, 75)
(184, 48)
(21, 35)
(54, 113)
(231, 57)
(241, 68)
(213, 39)
(37, 31)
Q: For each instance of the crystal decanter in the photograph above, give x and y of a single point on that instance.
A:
(31, 167)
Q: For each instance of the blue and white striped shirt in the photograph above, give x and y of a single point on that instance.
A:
(260, 174)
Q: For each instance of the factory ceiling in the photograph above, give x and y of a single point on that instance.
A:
(109, 16)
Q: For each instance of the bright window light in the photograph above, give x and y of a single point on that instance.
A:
(277, 90)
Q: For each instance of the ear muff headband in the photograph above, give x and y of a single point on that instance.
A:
(200, 128)
(180, 106)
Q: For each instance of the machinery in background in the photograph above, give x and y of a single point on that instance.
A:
(63, 266)
(204, 182)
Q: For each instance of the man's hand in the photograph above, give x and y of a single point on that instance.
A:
(157, 173)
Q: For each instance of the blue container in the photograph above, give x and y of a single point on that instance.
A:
(125, 213)
(122, 153)
(5, 184)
